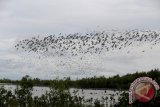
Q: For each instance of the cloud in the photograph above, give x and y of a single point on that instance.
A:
(14, 65)
(2, 4)
(21, 18)
(55, 16)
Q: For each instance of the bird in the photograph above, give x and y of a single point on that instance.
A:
(90, 43)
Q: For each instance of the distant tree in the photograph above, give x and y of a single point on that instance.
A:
(24, 92)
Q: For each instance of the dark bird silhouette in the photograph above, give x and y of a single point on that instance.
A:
(89, 43)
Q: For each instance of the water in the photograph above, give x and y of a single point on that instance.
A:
(86, 93)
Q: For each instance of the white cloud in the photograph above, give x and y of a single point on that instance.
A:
(14, 65)
(20, 18)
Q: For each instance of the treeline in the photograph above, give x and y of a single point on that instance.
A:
(115, 82)
(58, 96)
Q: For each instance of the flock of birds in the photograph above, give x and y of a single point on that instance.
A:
(89, 43)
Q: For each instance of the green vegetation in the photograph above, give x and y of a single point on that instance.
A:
(59, 95)
(123, 101)
(115, 82)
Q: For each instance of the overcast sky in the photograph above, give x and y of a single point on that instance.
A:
(22, 18)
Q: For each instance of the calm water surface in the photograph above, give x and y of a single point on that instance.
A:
(86, 93)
